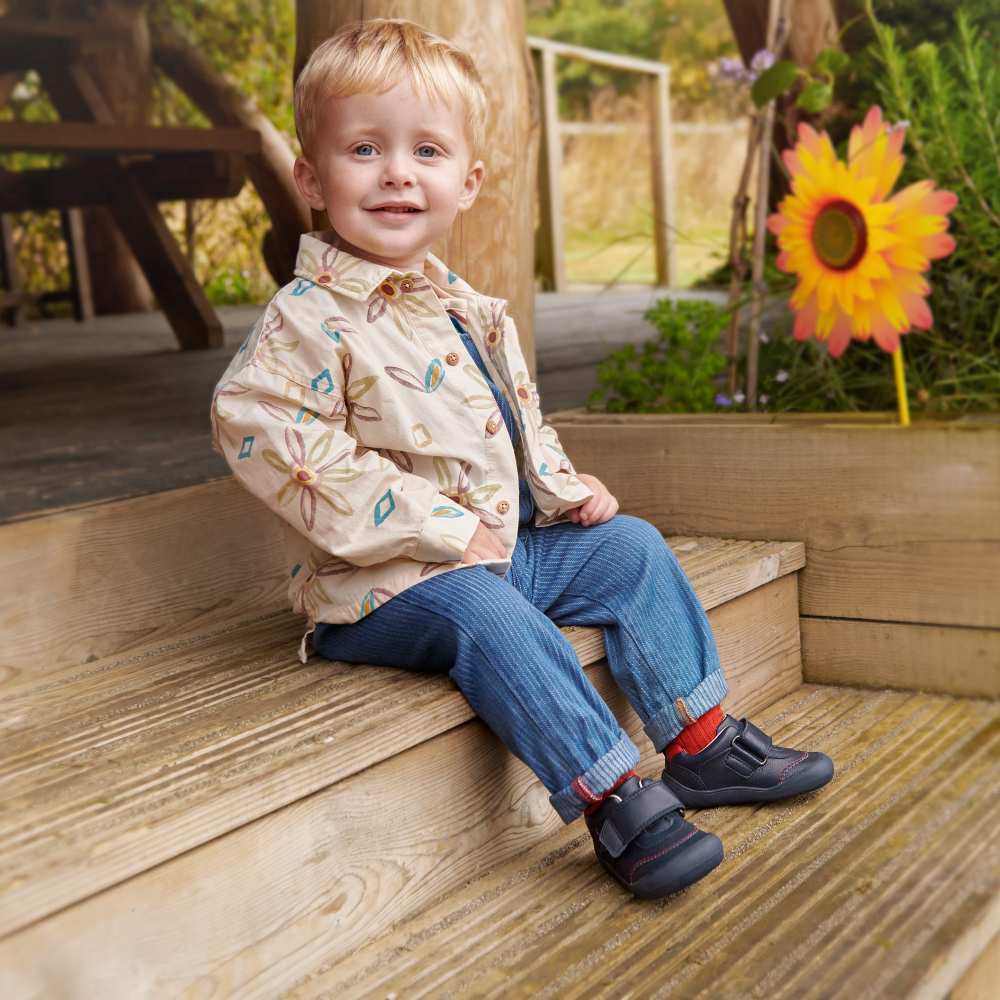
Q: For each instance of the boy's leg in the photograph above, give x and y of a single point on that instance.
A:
(623, 576)
(515, 667)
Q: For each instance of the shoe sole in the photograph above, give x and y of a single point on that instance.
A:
(808, 781)
(656, 885)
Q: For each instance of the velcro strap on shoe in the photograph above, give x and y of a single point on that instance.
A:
(627, 819)
(750, 745)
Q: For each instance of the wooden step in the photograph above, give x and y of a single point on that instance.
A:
(202, 778)
(883, 884)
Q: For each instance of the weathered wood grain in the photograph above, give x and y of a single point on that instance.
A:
(900, 524)
(859, 889)
(110, 767)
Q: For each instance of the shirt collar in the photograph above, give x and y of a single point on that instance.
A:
(328, 266)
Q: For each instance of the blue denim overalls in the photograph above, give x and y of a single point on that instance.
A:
(498, 638)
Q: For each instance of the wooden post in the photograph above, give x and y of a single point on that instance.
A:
(550, 245)
(663, 188)
(492, 244)
(81, 291)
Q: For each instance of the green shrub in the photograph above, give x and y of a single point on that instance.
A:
(672, 372)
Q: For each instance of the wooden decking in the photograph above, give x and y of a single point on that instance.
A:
(870, 887)
(110, 408)
(188, 810)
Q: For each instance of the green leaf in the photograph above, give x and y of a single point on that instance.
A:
(815, 96)
(773, 82)
(832, 61)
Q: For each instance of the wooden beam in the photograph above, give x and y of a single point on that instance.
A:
(79, 268)
(168, 177)
(178, 292)
(86, 137)
(550, 243)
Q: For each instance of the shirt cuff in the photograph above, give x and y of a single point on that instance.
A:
(446, 533)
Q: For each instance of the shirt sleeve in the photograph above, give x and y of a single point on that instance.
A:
(287, 443)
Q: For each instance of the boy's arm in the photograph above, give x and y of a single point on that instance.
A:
(287, 444)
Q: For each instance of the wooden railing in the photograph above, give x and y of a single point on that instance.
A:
(550, 254)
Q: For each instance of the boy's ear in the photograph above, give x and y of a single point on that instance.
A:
(308, 184)
(473, 182)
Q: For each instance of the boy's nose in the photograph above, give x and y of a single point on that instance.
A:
(397, 171)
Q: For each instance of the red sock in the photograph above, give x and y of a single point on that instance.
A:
(594, 806)
(698, 735)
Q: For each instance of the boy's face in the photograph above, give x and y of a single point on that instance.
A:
(373, 149)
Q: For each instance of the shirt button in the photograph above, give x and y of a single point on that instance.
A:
(406, 285)
(451, 358)
(503, 506)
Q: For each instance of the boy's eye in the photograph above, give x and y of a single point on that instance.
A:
(363, 145)
(431, 148)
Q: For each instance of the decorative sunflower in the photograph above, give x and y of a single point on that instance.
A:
(859, 255)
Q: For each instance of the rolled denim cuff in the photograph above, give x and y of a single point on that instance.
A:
(668, 722)
(598, 778)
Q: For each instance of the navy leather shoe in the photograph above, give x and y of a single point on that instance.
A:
(642, 839)
(742, 764)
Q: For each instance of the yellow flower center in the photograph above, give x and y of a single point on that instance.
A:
(839, 235)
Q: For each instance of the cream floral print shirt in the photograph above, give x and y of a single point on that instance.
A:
(355, 412)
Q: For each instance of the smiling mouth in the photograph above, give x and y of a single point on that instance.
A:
(396, 211)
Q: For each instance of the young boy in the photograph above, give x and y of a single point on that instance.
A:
(382, 407)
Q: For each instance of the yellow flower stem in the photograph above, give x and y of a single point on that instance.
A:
(904, 405)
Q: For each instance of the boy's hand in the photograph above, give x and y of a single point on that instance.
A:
(601, 507)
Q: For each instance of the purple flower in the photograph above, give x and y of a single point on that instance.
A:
(722, 400)
(762, 60)
(731, 70)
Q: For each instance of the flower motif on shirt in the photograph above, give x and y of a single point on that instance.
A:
(527, 397)
(311, 480)
(269, 346)
(483, 400)
(221, 417)
(332, 269)
(463, 494)
(495, 325)
(539, 484)
(433, 376)
(354, 391)
(373, 599)
(399, 298)
(335, 326)
(320, 567)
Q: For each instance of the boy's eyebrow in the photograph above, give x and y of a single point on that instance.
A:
(377, 130)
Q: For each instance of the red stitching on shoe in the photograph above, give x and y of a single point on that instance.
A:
(652, 857)
(788, 767)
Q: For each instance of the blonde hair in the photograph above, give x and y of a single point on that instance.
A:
(371, 57)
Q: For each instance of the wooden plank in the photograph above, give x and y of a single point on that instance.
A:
(168, 177)
(107, 579)
(35, 30)
(104, 580)
(344, 873)
(961, 661)
(899, 523)
(980, 980)
(119, 139)
(860, 889)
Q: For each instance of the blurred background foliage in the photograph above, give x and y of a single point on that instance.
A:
(921, 67)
